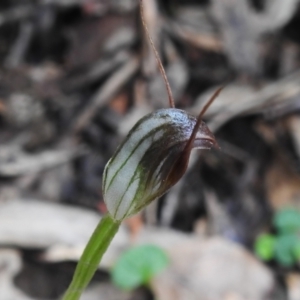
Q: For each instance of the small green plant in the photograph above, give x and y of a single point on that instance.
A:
(284, 247)
(152, 158)
(138, 266)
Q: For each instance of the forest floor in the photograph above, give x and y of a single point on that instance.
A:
(76, 75)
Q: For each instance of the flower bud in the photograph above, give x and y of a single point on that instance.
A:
(151, 159)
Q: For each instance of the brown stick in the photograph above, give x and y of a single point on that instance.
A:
(160, 66)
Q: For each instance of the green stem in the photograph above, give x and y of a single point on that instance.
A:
(91, 257)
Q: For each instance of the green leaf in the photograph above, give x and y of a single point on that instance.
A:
(264, 246)
(284, 249)
(138, 265)
(287, 220)
(296, 250)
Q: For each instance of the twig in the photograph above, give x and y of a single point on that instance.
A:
(16, 14)
(106, 92)
(96, 72)
(20, 46)
(25, 164)
(276, 92)
(242, 27)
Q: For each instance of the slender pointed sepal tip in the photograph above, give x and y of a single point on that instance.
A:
(158, 60)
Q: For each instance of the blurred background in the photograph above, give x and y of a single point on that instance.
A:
(75, 76)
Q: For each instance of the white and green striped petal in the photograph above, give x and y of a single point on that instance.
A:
(145, 165)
